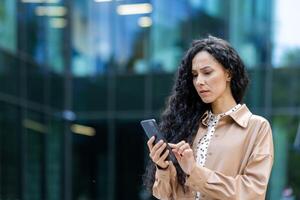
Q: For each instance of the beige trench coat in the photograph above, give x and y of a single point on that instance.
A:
(238, 164)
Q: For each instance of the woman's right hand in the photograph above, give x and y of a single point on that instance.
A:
(156, 152)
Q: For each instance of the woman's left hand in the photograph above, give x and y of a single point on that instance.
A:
(184, 155)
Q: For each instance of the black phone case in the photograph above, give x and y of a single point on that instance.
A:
(151, 129)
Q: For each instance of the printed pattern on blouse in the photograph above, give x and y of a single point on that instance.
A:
(202, 145)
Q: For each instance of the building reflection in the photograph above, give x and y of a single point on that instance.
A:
(76, 77)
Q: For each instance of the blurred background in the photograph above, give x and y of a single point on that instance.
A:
(77, 76)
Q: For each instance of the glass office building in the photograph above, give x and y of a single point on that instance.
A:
(76, 77)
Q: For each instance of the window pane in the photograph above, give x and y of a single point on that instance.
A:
(10, 164)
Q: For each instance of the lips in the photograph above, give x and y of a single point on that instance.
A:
(203, 91)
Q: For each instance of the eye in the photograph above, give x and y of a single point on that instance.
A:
(194, 75)
(207, 72)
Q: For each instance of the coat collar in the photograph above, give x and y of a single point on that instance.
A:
(240, 116)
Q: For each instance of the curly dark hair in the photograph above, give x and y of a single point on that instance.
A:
(180, 119)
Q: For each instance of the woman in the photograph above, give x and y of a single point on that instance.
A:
(222, 150)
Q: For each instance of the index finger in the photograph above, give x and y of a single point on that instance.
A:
(176, 146)
(172, 145)
(150, 142)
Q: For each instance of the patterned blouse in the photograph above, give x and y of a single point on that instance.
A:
(203, 143)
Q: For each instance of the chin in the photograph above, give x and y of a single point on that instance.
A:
(207, 101)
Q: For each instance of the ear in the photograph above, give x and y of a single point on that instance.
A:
(228, 76)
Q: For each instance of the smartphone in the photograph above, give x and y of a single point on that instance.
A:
(151, 129)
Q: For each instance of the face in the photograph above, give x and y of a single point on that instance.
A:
(211, 80)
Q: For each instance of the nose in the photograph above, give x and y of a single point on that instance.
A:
(200, 80)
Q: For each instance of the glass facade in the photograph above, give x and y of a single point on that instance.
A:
(76, 77)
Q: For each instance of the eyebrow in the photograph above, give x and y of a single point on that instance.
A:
(202, 68)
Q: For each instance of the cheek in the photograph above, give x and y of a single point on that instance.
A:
(194, 83)
(217, 83)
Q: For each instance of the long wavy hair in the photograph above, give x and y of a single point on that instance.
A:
(184, 108)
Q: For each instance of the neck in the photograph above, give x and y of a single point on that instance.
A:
(222, 105)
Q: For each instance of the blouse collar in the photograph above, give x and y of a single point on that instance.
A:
(241, 116)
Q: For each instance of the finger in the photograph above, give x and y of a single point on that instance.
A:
(155, 147)
(181, 143)
(164, 156)
(187, 153)
(164, 164)
(157, 153)
(150, 142)
(172, 145)
(167, 163)
(177, 156)
(178, 145)
(183, 147)
(158, 145)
